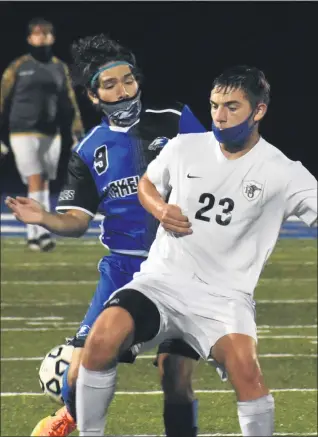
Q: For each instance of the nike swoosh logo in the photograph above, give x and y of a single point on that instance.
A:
(193, 177)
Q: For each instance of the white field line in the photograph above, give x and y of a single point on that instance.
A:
(22, 231)
(48, 303)
(261, 281)
(285, 326)
(60, 322)
(61, 242)
(63, 318)
(53, 264)
(151, 357)
(41, 283)
(159, 392)
(70, 303)
(90, 264)
(216, 435)
(282, 337)
(31, 318)
(57, 323)
(52, 323)
(51, 328)
(40, 304)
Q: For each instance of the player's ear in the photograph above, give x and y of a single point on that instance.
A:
(92, 97)
(260, 111)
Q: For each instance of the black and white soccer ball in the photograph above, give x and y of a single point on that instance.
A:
(51, 371)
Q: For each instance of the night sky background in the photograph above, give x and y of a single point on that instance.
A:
(180, 47)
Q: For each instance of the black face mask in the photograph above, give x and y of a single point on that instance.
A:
(41, 53)
(124, 112)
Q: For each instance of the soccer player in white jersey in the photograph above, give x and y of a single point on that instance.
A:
(230, 191)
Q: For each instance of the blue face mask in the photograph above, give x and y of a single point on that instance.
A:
(234, 137)
(123, 113)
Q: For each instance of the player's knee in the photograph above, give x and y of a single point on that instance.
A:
(244, 370)
(110, 333)
(176, 378)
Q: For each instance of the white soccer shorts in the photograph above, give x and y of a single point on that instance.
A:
(36, 154)
(194, 313)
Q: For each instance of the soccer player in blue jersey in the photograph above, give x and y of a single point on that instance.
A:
(103, 175)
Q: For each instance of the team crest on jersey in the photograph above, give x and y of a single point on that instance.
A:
(158, 143)
(252, 189)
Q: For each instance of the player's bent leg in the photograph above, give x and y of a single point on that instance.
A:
(69, 382)
(255, 405)
(74, 366)
(180, 406)
(112, 332)
(63, 421)
(129, 317)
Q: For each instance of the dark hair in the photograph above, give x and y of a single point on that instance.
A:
(39, 21)
(92, 52)
(251, 80)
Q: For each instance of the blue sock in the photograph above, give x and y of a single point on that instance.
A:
(195, 412)
(181, 420)
(68, 395)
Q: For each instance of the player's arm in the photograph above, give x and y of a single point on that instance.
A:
(301, 195)
(6, 88)
(153, 188)
(79, 200)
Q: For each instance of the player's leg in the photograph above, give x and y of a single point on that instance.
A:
(28, 158)
(25, 151)
(255, 403)
(115, 272)
(129, 318)
(63, 422)
(176, 361)
(49, 154)
(234, 343)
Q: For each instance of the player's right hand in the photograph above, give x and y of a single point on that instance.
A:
(26, 210)
(172, 219)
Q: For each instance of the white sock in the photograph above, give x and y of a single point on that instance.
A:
(94, 393)
(257, 417)
(35, 231)
(32, 230)
(46, 200)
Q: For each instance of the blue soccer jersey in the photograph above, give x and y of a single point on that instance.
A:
(105, 168)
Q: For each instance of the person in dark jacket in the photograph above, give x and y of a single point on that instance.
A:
(38, 101)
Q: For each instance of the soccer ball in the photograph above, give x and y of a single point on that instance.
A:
(51, 371)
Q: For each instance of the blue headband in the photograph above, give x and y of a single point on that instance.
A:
(113, 64)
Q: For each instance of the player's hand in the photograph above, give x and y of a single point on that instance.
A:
(4, 150)
(172, 219)
(26, 210)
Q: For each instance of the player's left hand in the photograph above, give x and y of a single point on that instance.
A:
(26, 210)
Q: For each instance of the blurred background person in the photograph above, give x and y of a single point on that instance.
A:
(38, 103)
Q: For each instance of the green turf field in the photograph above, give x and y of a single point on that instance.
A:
(44, 297)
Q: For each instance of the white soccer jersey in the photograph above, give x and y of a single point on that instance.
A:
(236, 208)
